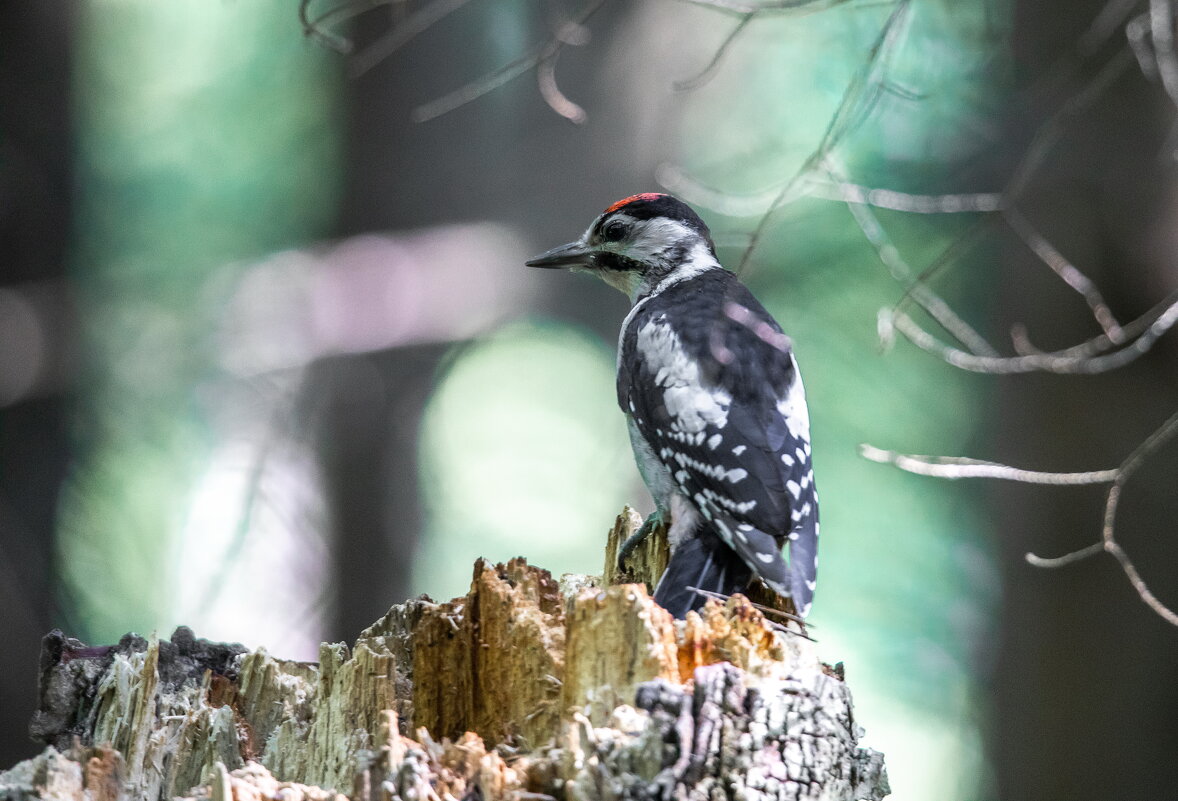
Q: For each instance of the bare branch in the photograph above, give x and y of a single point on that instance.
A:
(858, 99)
(1139, 585)
(1130, 331)
(542, 55)
(550, 91)
(1051, 131)
(905, 201)
(477, 88)
(1109, 542)
(1089, 357)
(730, 204)
(317, 28)
(928, 300)
(952, 467)
(1067, 272)
(1135, 32)
(955, 467)
(706, 74)
(1021, 341)
(957, 247)
(770, 6)
(1161, 26)
(408, 29)
(1061, 362)
(1105, 24)
(1066, 559)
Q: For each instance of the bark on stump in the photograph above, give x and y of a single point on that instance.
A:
(525, 689)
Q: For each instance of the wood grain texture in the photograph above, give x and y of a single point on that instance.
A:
(524, 689)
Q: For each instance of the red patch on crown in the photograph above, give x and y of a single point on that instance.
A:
(626, 201)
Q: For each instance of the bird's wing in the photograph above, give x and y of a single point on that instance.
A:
(721, 405)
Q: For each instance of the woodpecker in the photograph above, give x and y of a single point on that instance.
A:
(714, 404)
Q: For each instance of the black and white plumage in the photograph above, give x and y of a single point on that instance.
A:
(714, 403)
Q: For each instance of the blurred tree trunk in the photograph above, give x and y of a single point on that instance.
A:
(36, 334)
(1104, 198)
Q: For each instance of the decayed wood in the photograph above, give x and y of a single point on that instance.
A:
(645, 563)
(522, 690)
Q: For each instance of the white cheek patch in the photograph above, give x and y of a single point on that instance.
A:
(650, 238)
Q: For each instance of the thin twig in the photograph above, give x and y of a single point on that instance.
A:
(477, 88)
(350, 10)
(858, 98)
(316, 30)
(889, 254)
(706, 74)
(1105, 24)
(957, 247)
(1161, 26)
(408, 29)
(1131, 331)
(546, 52)
(1036, 153)
(730, 204)
(1067, 272)
(1108, 541)
(719, 596)
(905, 201)
(1139, 584)
(550, 91)
(769, 6)
(1068, 558)
(1058, 362)
(1051, 131)
(1135, 33)
(952, 467)
(955, 467)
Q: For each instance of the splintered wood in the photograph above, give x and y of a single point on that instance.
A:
(525, 689)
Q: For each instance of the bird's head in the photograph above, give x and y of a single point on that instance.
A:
(639, 244)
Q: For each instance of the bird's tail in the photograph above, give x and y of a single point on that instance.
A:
(703, 562)
(761, 552)
(803, 563)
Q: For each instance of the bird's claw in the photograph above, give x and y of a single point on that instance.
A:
(627, 548)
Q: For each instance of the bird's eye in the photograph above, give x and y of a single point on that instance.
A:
(613, 231)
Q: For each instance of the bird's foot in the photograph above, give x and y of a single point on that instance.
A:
(637, 538)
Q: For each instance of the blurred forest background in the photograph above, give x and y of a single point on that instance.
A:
(270, 361)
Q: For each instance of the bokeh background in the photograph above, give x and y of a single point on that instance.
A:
(270, 360)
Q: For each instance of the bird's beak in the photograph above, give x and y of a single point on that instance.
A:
(563, 256)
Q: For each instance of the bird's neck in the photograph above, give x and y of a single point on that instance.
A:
(698, 261)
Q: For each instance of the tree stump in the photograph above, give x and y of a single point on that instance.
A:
(525, 689)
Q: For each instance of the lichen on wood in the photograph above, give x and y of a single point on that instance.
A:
(525, 689)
